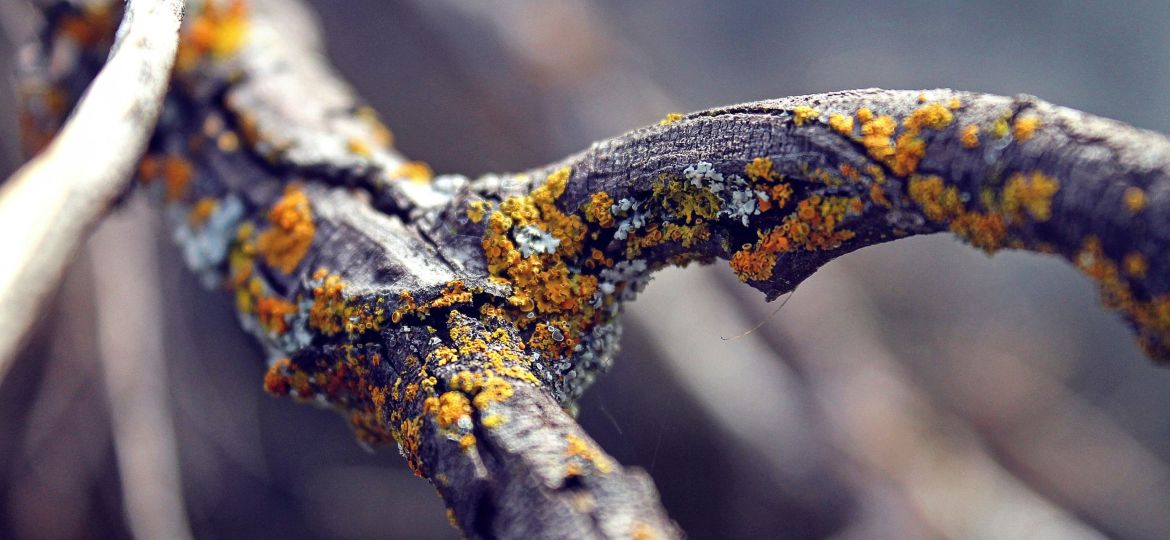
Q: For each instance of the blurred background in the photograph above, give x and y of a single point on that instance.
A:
(918, 389)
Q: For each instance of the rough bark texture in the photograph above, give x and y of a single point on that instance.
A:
(460, 318)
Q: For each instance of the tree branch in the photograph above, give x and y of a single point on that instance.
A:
(50, 204)
(460, 318)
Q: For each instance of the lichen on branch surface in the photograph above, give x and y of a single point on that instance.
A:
(460, 318)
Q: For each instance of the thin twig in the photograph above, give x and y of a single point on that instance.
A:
(48, 206)
(133, 359)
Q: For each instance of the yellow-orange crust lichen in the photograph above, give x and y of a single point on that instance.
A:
(290, 233)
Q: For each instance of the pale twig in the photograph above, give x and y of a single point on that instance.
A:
(48, 206)
(132, 355)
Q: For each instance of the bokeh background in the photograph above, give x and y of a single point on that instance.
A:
(918, 389)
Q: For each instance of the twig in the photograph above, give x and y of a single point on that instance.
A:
(49, 205)
(129, 311)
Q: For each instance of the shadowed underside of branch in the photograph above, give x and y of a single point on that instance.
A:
(460, 318)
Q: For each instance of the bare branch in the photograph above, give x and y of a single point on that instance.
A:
(50, 204)
(133, 359)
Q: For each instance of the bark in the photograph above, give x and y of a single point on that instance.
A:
(460, 318)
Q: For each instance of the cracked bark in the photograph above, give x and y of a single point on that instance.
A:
(268, 113)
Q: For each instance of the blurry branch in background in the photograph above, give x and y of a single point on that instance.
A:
(461, 318)
(133, 360)
(48, 207)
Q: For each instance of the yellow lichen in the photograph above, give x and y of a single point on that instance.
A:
(416, 171)
(217, 28)
(1134, 199)
(581, 448)
(803, 113)
(331, 313)
(1135, 265)
(476, 210)
(1031, 193)
(671, 118)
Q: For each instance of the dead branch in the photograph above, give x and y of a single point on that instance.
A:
(460, 318)
(49, 205)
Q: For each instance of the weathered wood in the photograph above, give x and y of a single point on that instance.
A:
(460, 318)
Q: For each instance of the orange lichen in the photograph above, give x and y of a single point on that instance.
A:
(453, 293)
(938, 201)
(1152, 316)
(841, 124)
(451, 407)
(759, 169)
(202, 210)
(541, 281)
(908, 151)
(177, 173)
(1025, 127)
(1134, 199)
(597, 210)
(331, 313)
(1135, 265)
(929, 116)
(218, 29)
(273, 311)
(955, 104)
(985, 230)
(752, 265)
(970, 136)
(813, 226)
(275, 380)
(290, 232)
(876, 134)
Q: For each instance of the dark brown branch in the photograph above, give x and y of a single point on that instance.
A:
(460, 318)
